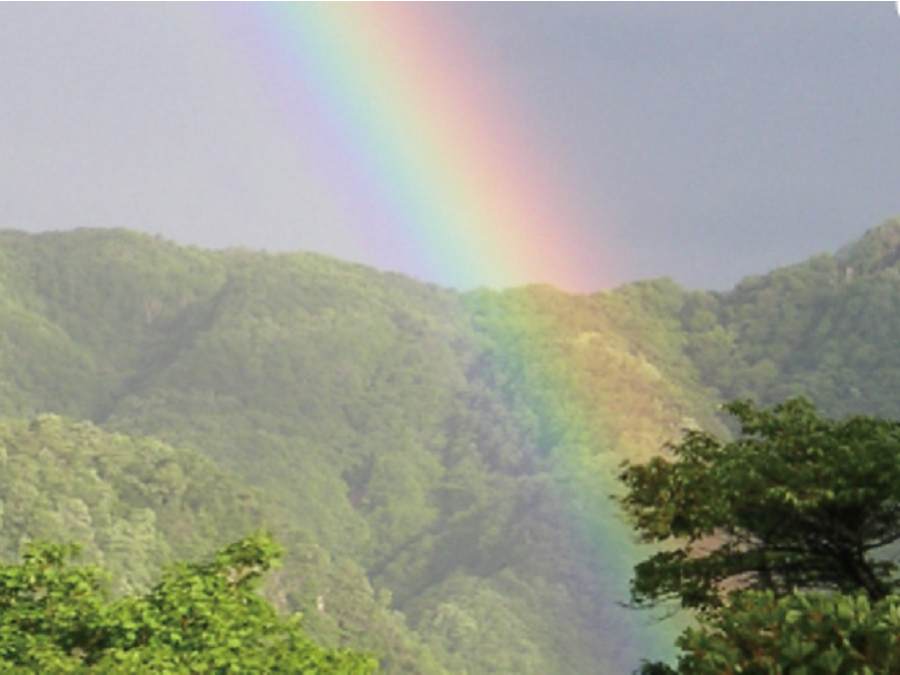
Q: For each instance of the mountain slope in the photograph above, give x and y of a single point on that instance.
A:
(404, 444)
(827, 328)
(131, 503)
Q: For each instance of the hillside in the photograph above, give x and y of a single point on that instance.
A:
(827, 328)
(397, 436)
(130, 503)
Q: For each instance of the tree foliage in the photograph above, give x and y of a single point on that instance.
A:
(795, 501)
(201, 617)
(819, 634)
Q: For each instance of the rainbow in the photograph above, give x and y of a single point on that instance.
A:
(408, 121)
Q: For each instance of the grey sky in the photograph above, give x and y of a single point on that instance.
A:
(714, 141)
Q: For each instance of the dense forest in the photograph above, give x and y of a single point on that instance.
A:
(160, 401)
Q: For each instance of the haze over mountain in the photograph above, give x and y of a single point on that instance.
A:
(162, 400)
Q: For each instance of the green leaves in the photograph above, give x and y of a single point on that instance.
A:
(811, 633)
(201, 617)
(797, 506)
(796, 501)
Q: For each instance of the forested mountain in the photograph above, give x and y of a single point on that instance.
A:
(130, 503)
(387, 431)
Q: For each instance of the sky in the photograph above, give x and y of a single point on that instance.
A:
(703, 142)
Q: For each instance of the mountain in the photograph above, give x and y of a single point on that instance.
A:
(130, 503)
(391, 432)
(827, 328)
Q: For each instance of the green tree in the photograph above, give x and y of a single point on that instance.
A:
(814, 633)
(201, 617)
(796, 501)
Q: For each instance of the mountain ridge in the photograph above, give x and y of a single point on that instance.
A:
(398, 442)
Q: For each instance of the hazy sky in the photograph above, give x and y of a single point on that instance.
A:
(711, 141)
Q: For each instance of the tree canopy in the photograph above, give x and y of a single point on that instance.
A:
(796, 501)
(201, 617)
(814, 633)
